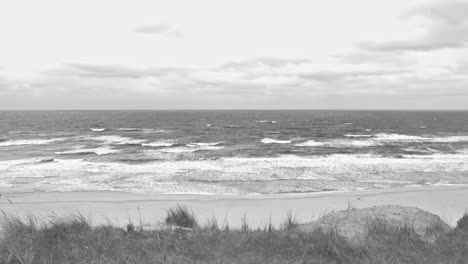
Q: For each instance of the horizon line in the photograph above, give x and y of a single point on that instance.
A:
(237, 109)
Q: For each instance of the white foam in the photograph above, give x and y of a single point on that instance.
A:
(158, 144)
(210, 147)
(21, 142)
(153, 131)
(410, 138)
(204, 144)
(128, 129)
(208, 125)
(267, 121)
(117, 140)
(274, 141)
(358, 136)
(152, 177)
(310, 143)
(379, 139)
(97, 129)
(179, 150)
(98, 151)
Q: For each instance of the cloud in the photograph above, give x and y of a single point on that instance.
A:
(445, 26)
(118, 71)
(338, 76)
(254, 83)
(159, 29)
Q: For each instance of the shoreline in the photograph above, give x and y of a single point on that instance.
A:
(449, 202)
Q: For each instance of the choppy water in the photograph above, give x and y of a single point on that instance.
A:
(220, 152)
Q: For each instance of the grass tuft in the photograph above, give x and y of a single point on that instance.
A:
(290, 222)
(462, 223)
(181, 216)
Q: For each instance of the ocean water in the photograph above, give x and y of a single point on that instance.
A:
(230, 152)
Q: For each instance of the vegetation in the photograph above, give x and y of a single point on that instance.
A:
(75, 240)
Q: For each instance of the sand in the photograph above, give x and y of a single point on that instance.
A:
(449, 202)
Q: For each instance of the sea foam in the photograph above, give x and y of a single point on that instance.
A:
(98, 151)
(158, 144)
(274, 141)
(20, 142)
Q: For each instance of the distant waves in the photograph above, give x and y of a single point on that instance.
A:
(287, 173)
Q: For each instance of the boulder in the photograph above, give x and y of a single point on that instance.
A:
(354, 224)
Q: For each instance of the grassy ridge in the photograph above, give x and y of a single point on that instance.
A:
(183, 240)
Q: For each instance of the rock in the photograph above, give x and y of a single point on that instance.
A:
(353, 224)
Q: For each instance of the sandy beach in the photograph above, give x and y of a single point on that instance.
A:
(449, 202)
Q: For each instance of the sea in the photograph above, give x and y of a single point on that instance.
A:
(231, 152)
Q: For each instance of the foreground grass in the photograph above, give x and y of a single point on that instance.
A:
(74, 240)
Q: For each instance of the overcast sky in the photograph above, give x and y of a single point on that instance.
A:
(252, 54)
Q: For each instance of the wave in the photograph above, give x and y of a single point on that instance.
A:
(46, 160)
(288, 173)
(97, 151)
(117, 140)
(129, 129)
(210, 147)
(267, 121)
(410, 138)
(98, 129)
(357, 136)
(154, 131)
(200, 144)
(381, 139)
(21, 132)
(337, 143)
(310, 143)
(21, 142)
(179, 150)
(274, 141)
(158, 144)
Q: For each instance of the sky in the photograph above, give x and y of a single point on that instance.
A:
(243, 54)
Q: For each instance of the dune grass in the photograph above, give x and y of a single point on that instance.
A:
(74, 240)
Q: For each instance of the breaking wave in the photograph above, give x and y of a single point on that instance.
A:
(274, 141)
(21, 142)
(381, 139)
(116, 140)
(98, 129)
(98, 151)
(158, 144)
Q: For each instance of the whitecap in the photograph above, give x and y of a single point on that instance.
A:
(179, 150)
(310, 143)
(267, 121)
(128, 129)
(158, 144)
(97, 129)
(274, 141)
(117, 140)
(204, 144)
(210, 147)
(98, 151)
(338, 143)
(21, 142)
(357, 135)
(410, 138)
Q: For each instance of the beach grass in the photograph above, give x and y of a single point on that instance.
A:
(181, 239)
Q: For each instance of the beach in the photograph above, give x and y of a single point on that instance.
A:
(449, 202)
